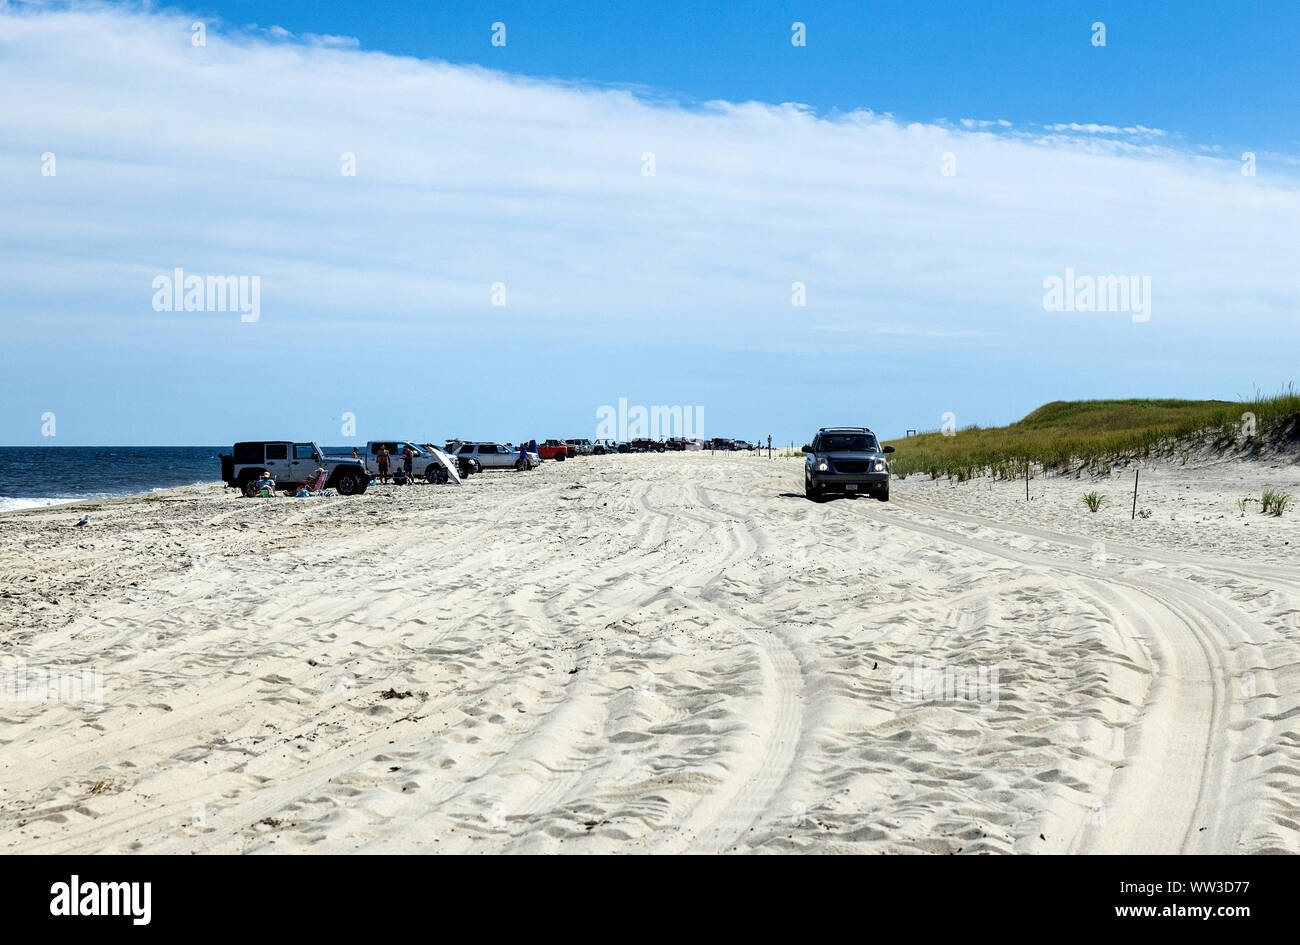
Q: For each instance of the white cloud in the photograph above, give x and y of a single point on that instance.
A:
(1095, 129)
(226, 159)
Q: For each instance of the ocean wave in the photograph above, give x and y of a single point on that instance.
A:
(18, 503)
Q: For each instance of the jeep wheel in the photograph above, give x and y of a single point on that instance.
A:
(561, 456)
(349, 483)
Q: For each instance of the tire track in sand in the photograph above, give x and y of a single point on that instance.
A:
(1167, 797)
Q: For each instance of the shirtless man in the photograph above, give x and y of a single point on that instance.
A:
(381, 460)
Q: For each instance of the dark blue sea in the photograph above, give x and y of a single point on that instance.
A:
(32, 476)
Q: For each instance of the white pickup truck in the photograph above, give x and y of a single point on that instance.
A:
(424, 465)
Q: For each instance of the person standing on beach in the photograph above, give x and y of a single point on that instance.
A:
(381, 460)
(408, 457)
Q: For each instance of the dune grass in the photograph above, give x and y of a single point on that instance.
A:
(1089, 433)
(1274, 501)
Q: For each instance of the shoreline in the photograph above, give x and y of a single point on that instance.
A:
(51, 502)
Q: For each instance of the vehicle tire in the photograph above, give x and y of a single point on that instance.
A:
(561, 457)
(883, 494)
(813, 492)
(435, 474)
(247, 482)
(520, 465)
(349, 483)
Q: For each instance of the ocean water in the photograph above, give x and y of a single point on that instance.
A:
(34, 476)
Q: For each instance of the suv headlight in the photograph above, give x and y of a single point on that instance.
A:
(880, 465)
(822, 466)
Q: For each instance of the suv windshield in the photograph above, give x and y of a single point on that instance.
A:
(849, 443)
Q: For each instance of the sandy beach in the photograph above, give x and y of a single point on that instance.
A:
(661, 654)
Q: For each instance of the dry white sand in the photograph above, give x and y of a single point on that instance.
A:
(661, 653)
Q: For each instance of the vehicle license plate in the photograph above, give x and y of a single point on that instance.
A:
(850, 487)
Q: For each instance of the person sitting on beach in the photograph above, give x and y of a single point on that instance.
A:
(381, 460)
(308, 489)
(265, 486)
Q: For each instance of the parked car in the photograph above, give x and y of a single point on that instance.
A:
(846, 459)
(580, 447)
(644, 444)
(465, 468)
(423, 466)
(291, 465)
(553, 449)
(722, 443)
(468, 465)
(604, 447)
(675, 444)
(497, 456)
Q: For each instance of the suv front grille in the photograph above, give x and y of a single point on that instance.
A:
(852, 466)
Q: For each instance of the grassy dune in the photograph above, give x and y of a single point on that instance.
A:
(1092, 433)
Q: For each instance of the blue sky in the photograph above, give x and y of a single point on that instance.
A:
(1213, 71)
(523, 166)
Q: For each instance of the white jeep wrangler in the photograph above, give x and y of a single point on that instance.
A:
(290, 465)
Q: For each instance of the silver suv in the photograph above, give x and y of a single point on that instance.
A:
(847, 460)
(496, 456)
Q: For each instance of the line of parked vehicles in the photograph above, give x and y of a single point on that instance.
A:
(292, 464)
(647, 445)
(839, 460)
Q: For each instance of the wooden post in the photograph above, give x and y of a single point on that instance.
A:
(1134, 516)
(1026, 480)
